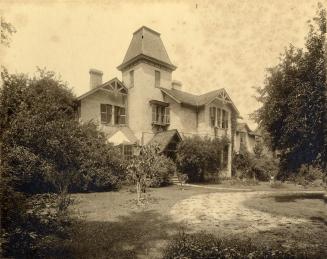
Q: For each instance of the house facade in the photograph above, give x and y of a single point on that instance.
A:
(246, 137)
(148, 106)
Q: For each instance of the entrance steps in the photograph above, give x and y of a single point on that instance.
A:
(175, 180)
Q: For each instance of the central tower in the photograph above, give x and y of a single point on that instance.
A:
(145, 69)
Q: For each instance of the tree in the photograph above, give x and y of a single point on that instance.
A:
(140, 168)
(294, 101)
(7, 29)
(46, 153)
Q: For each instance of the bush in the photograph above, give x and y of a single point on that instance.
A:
(197, 156)
(309, 174)
(163, 169)
(247, 165)
(207, 246)
(35, 226)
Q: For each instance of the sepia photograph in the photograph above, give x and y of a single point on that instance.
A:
(172, 129)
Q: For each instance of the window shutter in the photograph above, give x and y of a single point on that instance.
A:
(103, 112)
(122, 115)
(109, 113)
(167, 115)
(154, 113)
(226, 122)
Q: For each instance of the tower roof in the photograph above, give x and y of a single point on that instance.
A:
(146, 44)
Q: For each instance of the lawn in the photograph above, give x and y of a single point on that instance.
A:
(113, 226)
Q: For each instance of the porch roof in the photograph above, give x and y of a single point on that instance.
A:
(164, 138)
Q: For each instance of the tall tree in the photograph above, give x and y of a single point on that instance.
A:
(7, 29)
(294, 102)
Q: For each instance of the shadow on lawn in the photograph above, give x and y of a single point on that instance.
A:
(132, 235)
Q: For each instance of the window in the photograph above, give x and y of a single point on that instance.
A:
(126, 151)
(119, 115)
(212, 116)
(224, 124)
(131, 78)
(157, 78)
(106, 113)
(160, 115)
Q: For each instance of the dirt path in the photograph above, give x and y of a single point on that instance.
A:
(226, 212)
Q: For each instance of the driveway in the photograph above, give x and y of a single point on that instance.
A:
(227, 213)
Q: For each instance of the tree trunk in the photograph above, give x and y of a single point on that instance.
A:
(138, 191)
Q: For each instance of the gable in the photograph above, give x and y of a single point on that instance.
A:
(200, 100)
(114, 86)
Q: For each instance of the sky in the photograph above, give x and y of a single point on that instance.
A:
(214, 44)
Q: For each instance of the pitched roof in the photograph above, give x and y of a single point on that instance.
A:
(147, 44)
(197, 100)
(127, 132)
(163, 138)
(244, 127)
(112, 85)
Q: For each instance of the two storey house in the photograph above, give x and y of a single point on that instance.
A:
(148, 106)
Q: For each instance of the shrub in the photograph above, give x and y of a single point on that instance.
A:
(207, 246)
(163, 169)
(35, 226)
(257, 167)
(197, 156)
(149, 168)
(308, 174)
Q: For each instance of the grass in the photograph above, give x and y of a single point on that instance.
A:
(113, 226)
(311, 235)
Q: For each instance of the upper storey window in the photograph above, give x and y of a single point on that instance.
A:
(224, 121)
(160, 115)
(114, 115)
(157, 78)
(218, 117)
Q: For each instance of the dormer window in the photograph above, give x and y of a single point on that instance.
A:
(157, 78)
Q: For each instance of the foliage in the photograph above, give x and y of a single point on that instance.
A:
(149, 168)
(7, 29)
(294, 102)
(308, 174)
(34, 226)
(258, 150)
(44, 150)
(182, 178)
(207, 246)
(196, 156)
(248, 165)
(163, 169)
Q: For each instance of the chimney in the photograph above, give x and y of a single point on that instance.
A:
(177, 85)
(95, 77)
